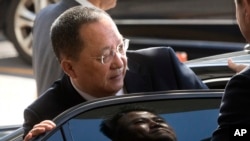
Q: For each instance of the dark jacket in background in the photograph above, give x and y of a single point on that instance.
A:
(43, 54)
(234, 109)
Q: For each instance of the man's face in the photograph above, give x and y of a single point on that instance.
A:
(144, 126)
(91, 76)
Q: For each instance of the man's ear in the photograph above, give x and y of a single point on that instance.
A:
(67, 66)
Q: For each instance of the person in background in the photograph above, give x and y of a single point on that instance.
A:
(45, 65)
(94, 57)
(135, 123)
(234, 108)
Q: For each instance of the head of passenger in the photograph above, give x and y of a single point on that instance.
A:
(91, 50)
(137, 124)
(243, 17)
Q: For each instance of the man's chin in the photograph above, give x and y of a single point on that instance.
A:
(118, 88)
(116, 85)
(165, 137)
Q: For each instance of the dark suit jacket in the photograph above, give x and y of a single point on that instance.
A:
(43, 54)
(234, 109)
(152, 69)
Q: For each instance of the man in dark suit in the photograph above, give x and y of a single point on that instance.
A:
(45, 65)
(92, 53)
(234, 109)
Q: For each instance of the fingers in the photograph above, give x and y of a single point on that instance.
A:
(28, 137)
(231, 64)
(46, 124)
(40, 128)
(235, 67)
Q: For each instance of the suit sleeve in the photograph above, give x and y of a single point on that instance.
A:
(186, 78)
(234, 109)
(30, 119)
(164, 69)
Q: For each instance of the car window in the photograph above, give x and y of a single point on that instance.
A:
(192, 119)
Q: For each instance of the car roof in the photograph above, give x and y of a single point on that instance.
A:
(241, 57)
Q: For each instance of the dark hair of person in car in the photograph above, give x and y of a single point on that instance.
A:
(136, 123)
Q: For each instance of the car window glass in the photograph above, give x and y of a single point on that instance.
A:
(57, 136)
(193, 119)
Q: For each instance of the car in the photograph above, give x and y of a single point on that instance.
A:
(185, 110)
(198, 28)
(192, 114)
(17, 18)
(214, 70)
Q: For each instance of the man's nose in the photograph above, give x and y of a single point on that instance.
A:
(118, 59)
(154, 124)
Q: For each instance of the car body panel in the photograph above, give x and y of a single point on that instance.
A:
(186, 111)
(214, 70)
(176, 107)
(15, 134)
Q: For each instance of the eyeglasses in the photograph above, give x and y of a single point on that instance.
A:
(109, 54)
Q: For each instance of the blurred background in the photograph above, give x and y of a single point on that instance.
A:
(17, 86)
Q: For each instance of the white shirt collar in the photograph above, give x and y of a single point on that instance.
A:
(85, 3)
(90, 97)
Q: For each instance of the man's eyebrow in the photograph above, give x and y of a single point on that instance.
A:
(104, 49)
(139, 118)
(109, 47)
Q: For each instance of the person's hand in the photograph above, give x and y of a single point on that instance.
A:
(235, 67)
(40, 128)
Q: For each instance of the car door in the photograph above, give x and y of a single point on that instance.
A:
(192, 114)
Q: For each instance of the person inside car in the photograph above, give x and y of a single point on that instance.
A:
(45, 65)
(234, 108)
(94, 57)
(135, 123)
